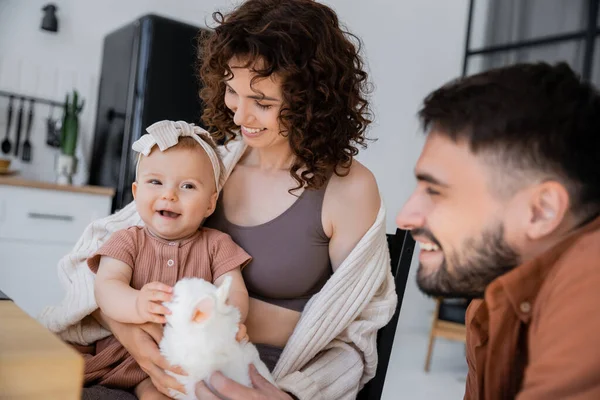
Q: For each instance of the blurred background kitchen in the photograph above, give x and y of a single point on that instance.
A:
(131, 63)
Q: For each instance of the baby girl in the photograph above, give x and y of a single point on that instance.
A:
(178, 178)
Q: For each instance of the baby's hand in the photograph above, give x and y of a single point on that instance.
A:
(149, 299)
(242, 334)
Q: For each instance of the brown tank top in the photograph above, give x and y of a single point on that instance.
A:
(290, 253)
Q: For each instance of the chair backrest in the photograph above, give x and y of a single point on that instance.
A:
(453, 309)
(402, 246)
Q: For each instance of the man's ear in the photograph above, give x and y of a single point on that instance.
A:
(549, 203)
(203, 309)
(134, 187)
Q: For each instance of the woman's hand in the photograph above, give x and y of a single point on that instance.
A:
(228, 389)
(141, 341)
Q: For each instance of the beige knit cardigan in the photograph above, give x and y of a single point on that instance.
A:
(332, 352)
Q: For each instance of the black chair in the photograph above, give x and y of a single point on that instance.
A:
(402, 246)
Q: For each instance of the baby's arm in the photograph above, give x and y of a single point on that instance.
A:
(121, 302)
(238, 294)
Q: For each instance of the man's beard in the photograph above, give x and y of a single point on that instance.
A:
(484, 260)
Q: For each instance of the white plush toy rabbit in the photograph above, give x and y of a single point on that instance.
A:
(200, 336)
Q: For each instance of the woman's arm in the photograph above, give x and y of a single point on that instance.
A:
(121, 302)
(349, 361)
(351, 214)
(350, 208)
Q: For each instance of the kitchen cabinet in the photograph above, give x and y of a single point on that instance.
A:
(39, 224)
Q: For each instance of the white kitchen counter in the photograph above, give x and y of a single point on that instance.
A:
(16, 181)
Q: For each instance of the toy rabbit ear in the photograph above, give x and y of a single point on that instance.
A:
(203, 310)
(223, 290)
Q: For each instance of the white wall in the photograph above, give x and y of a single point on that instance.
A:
(49, 65)
(411, 47)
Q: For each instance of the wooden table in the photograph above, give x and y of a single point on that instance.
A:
(34, 363)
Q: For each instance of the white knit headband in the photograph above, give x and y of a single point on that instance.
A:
(166, 134)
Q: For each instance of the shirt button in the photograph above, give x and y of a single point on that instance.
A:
(525, 307)
(170, 263)
(172, 243)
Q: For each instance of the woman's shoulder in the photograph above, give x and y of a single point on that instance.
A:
(354, 193)
(350, 208)
(356, 184)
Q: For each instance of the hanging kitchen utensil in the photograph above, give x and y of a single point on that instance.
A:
(27, 144)
(19, 125)
(6, 145)
(52, 138)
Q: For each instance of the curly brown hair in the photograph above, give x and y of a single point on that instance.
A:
(325, 109)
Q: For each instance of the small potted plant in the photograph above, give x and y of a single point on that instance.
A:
(66, 164)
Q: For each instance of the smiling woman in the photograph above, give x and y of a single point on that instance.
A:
(305, 70)
(255, 106)
(283, 79)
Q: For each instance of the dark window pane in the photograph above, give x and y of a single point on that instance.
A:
(596, 65)
(509, 21)
(571, 52)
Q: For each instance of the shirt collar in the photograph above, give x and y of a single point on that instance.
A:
(176, 242)
(522, 285)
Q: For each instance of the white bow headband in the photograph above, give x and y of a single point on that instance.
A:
(166, 134)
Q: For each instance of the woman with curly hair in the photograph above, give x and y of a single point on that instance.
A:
(285, 89)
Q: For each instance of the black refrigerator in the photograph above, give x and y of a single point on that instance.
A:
(149, 73)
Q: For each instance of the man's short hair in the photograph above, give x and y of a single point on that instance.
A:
(537, 118)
